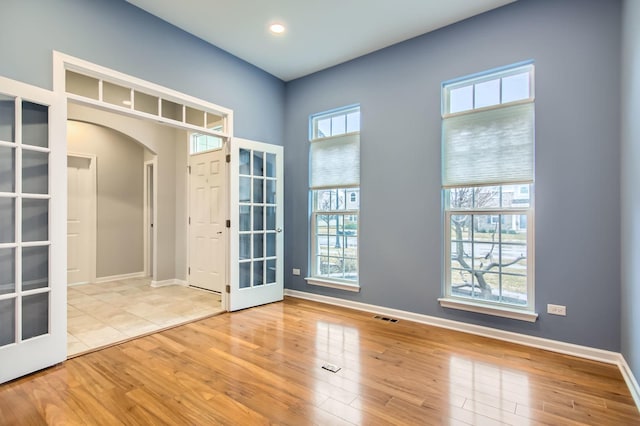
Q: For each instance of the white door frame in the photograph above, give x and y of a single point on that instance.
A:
(153, 179)
(93, 212)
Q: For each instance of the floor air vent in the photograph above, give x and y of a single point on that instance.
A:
(331, 367)
(381, 318)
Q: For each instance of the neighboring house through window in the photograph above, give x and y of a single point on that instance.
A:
(487, 180)
(335, 198)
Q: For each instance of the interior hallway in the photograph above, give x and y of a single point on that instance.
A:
(102, 314)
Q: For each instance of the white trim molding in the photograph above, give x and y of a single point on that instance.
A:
(118, 277)
(165, 283)
(323, 282)
(580, 351)
(498, 311)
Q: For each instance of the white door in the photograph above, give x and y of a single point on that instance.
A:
(207, 220)
(33, 251)
(80, 212)
(256, 224)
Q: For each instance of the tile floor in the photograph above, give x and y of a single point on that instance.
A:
(102, 314)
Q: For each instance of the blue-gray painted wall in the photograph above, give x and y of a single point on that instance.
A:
(630, 191)
(576, 48)
(117, 35)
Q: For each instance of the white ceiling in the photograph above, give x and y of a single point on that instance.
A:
(319, 34)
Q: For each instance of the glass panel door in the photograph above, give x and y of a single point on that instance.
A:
(256, 224)
(32, 329)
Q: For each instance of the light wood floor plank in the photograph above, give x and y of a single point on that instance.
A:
(263, 366)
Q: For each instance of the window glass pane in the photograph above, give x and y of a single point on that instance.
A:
(7, 321)
(7, 220)
(35, 124)
(338, 125)
(194, 116)
(244, 189)
(258, 245)
(35, 315)
(245, 218)
(145, 103)
(245, 162)
(35, 172)
(515, 87)
(116, 95)
(7, 118)
(215, 122)
(171, 110)
(258, 190)
(258, 163)
(461, 99)
(82, 85)
(486, 228)
(353, 122)
(258, 272)
(488, 286)
(487, 93)
(271, 165)
(244, 274)
(35, 220)
(271, 218)
(271, 245)
(271, 271)
(7, 271)
(514, 289)
(324, 128)
(35, 267)
(258, 218)
(7, 168)
(271, 192)
(352, 199)
(485, 197)
(461, 227)
(245, 246)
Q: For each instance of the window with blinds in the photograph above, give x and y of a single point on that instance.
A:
(334, 183)
(488, 140)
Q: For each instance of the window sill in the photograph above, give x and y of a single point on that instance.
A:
(340, 285)
(498, 311)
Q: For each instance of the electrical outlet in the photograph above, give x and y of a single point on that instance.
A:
(557, 310)
(296, 271)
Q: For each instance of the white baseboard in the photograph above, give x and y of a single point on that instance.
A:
(165, 283)
(630, 379)
(119, 277)
(507, 336)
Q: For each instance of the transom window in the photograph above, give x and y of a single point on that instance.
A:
(335, 198)
(487, 180)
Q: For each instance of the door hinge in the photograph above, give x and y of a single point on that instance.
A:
(228, 223)
(189, 220)
(228, 158)
(189, 270)
(228, 289)
(189, 168)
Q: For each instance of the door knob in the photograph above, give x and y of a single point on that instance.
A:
(278, 230)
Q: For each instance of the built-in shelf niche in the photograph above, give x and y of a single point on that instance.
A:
(122, 97)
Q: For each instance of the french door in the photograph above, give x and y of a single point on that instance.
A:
(256, 196)
(32, 229)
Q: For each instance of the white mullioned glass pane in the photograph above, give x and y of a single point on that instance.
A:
(516, 87)
(461, 99)
(338, 125)
(335, 162)
(7, 118)
(353, 122)
(323, 129)
(487, 93)
(494, 146)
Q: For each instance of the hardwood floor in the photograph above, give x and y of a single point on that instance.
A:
(264, 366)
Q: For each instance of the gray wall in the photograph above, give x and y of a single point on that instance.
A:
(117, 35)
(576, 48)
(630, 195)
(119, 221)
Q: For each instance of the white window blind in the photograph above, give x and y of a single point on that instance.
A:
(335, 162)
(494, 146)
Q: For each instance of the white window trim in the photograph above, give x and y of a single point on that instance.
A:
(485, 308)
(340, 285)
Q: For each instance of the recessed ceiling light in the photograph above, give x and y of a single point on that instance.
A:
(277, 28)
